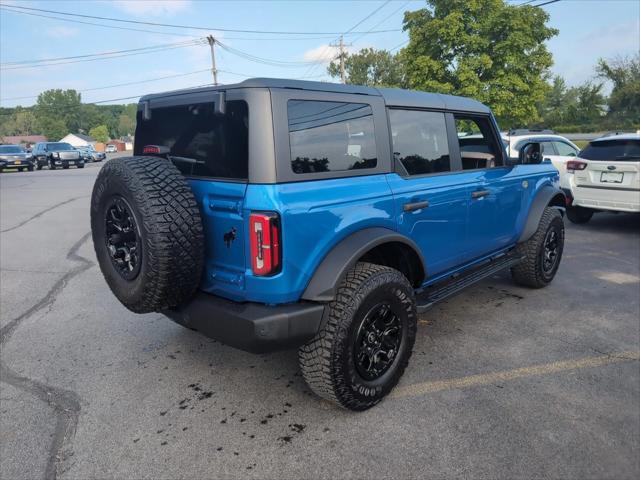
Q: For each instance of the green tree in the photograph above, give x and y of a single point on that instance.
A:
(624, 101)
(485, 49)
(100, 133)
(126, 125)
(370, 67)
(53, 128)
(25, 123)
(55, 106)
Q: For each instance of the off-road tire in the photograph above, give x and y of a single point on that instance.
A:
(169, 227)
(530, 271)
(579, 215)
(327, 361)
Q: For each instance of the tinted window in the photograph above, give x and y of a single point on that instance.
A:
(10, 149)
(59, 146)
(612, 150)
(200, 143)
(547, 148)
(420, 141)
(330, 136)
(478, 147)
(565, 149)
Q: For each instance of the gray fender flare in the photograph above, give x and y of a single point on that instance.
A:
(546, 196)
(333, 268)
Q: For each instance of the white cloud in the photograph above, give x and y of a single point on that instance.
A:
(152, 7)
(61, 31)
(323, 53)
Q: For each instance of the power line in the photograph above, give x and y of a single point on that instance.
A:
(120, 84)
(191, 27)
(21, 67)
(382, 21)
(268, 61)
(546, 3)
(99, 54)
(69, 20)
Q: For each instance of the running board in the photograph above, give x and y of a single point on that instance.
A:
(452, 285)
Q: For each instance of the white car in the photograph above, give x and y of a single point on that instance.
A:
(111, 148)
(556, 148)
(605, 176)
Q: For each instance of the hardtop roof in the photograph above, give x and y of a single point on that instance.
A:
(392, 96)
(620, 136)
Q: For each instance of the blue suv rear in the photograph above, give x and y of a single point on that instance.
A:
(275, 214)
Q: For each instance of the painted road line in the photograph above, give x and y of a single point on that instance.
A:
(507, 375)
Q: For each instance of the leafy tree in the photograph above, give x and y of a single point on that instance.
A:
(100, 133)
(485, 49)
(126, 125)
(370, 67)
(58, 107)
(25, 122)
(624, 74)
(53, 128)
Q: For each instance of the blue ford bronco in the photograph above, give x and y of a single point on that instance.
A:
(274, 214)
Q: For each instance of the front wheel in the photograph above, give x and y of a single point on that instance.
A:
(542, 252)
(579, 215)
(364, 346)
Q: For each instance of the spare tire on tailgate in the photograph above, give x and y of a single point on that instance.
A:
(147, 233)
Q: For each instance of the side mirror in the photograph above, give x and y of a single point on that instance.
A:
(530, 154)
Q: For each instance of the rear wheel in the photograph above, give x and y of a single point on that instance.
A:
(579, 214)
(542, 252)
(147, 233)
(363, 348)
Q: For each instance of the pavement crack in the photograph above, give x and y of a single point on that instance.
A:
(42, 212)
(66, 403)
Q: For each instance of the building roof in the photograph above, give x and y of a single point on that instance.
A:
(392, 96)
(84, 137)
(15, 139)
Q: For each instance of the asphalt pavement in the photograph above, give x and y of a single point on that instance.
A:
(504, 382)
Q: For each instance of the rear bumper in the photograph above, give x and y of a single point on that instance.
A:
(252, 327)
(627, 200)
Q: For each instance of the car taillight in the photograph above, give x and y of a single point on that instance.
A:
(573, 165)
(264, 238)
(155, 150)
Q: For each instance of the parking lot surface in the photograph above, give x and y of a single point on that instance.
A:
(504, 382)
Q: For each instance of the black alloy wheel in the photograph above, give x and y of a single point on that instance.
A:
(550, 250)
(377, 341)
(123, 238)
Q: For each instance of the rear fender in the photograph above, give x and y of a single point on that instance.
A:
(331, 271)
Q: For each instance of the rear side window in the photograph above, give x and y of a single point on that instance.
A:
(565, 149)
(420, 141)
(201, 143)
(609, 150)
(330, 136)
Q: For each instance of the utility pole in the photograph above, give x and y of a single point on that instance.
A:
(342, 55)
(214, 70)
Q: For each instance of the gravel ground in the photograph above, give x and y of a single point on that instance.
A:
(504, 382)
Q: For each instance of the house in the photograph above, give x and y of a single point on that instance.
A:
(128, 142)
(27, 140)
(120, 145)
(79, 140)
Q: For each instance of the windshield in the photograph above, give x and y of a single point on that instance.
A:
(11, 149)
(609, 150)
(59, 146)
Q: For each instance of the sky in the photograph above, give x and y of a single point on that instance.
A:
(589, 29)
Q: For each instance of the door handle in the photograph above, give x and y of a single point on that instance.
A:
(480, 193)
(410, 207)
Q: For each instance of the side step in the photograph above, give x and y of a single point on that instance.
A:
(452, 285)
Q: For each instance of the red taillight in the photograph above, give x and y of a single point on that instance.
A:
(155, 150)
(264, 238)
(151, 149)
(573, 165)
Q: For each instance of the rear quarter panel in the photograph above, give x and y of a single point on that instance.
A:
(316, 216)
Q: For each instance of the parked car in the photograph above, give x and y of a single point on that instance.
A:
(605, 177)
(56, 154)
(555, 148)
(111, 148)
(14, 156)
(272, 214)
(89, 154)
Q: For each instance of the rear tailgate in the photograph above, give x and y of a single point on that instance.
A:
(614, 175)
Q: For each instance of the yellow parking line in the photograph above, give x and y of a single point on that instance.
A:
(506, 375)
